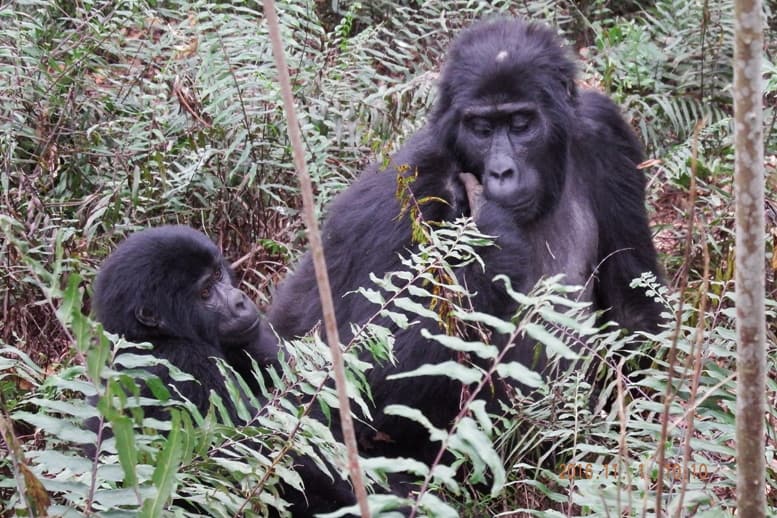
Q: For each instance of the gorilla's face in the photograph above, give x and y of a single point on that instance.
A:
(511, 148)
(506, 108)
(234, 315)
(173, 282)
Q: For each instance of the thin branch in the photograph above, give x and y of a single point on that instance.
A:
(695, 356)
(319, 262)
(672, 359)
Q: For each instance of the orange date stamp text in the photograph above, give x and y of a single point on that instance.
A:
(595, 471)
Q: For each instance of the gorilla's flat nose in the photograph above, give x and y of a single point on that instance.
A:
(240, 303)
(501, 173)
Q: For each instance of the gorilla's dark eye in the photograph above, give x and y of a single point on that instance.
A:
(480, 126)
(218, 274)
(520, 122)
(205, 293)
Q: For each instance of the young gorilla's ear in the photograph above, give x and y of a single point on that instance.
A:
(147, 317)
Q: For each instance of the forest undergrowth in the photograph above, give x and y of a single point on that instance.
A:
(116, 116)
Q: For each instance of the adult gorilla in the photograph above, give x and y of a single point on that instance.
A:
(561, 193)
(171, 286)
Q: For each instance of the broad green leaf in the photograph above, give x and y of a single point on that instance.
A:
(115, 499)
(417, 291)
(482, 350)
(582, 327)
(400, 319)
(553, 344)
(374, 296)
(97, 356)
(395, 465)
(451, 369)
(446, 475)
(520, 298)
(481, 450)
(77, 408)
(437, 507)
(497, 324)
(478, 410)
(415, 308)
(435, 434)
(71, 299)
(58, 427)
(125, 446)
(166, 468)
(519, 372)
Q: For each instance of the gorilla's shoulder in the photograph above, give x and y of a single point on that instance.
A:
(371, 186)
(601, 120)
(423, 152)
(369, 203)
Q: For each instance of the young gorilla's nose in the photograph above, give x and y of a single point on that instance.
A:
(240, 303)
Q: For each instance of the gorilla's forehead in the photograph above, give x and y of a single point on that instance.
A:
(500, 83)
(188, 262)
(500, 95)
(508, 41)
(507, 58)
(497, 105)
(174, 258)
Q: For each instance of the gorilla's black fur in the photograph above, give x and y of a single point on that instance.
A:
(561, 191)
(172, 287)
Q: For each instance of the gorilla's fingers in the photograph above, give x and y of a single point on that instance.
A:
(474, 192)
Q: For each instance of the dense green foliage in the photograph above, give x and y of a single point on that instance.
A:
(121, 115)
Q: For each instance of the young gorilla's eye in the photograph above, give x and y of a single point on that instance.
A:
(480, 126)
(218, 274)
(205, 293)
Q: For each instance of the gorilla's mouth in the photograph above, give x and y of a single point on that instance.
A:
(515, 203)
(524, 208)
(240, 335)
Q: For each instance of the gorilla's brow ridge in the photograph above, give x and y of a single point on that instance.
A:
(479, 110)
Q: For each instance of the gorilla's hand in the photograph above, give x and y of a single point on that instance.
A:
(474, 193)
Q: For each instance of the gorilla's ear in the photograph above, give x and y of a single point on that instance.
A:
(147, 317)
(571, 89)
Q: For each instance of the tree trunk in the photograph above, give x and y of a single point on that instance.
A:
(750, 290)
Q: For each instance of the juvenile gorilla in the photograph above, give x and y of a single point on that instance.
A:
(170, 286)
(561, 193)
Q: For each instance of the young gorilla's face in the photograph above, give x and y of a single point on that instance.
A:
(235, 315)
(173, 282)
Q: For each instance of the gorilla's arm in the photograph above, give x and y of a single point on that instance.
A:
(625, 244)
(364, 234)
(508, 256)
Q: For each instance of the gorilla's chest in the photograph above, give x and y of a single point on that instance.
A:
(565, 242)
